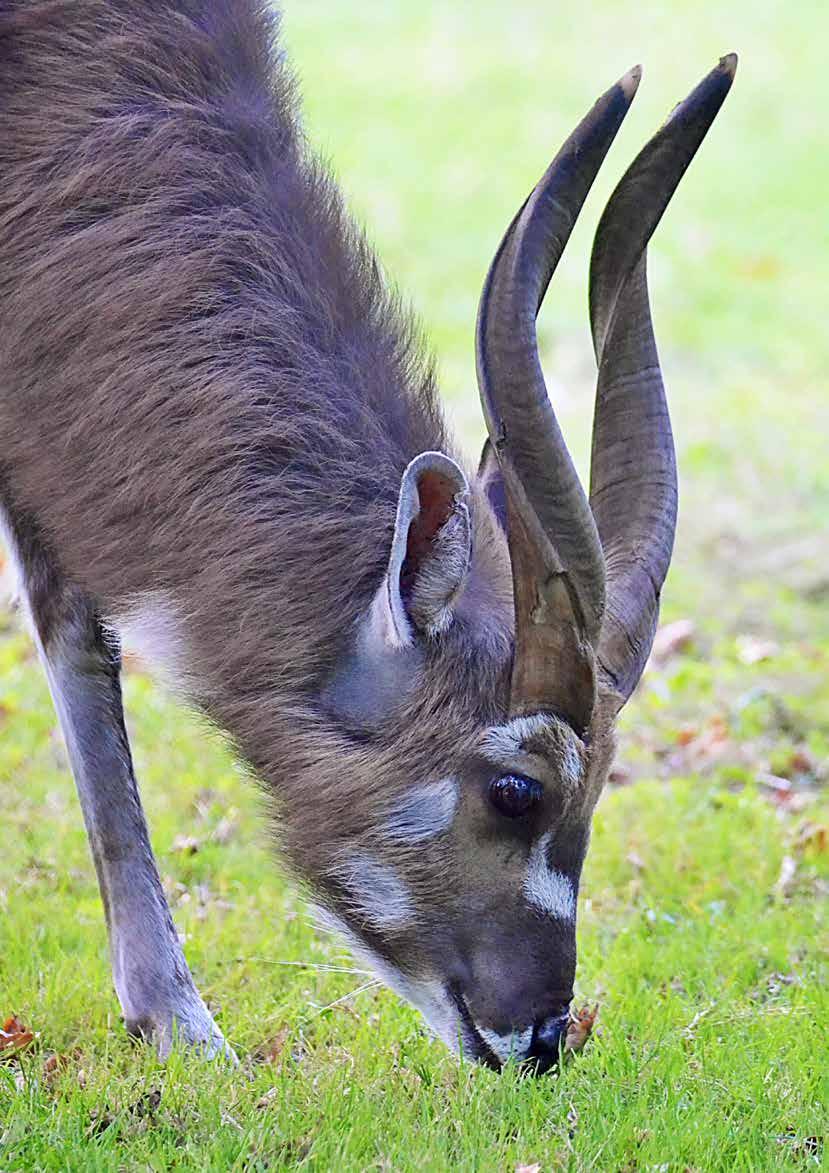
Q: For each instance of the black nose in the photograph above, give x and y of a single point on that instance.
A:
(547, 1040)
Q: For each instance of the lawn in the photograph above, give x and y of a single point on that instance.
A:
(703, 927)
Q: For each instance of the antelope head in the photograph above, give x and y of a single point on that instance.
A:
(513, 623)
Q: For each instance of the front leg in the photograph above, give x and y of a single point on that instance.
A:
(82, 662)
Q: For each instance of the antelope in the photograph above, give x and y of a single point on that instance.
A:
(222, 445)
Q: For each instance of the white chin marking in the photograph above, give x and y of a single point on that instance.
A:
(424, 813)
(378, 895)
(513, 1045)
(546, 889)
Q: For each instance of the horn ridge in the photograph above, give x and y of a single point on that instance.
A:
(633, 485)
(556, 555)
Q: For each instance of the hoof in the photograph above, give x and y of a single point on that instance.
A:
(193, 1029)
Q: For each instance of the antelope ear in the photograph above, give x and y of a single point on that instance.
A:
(427, 569)
(490, 478)
(429, 558)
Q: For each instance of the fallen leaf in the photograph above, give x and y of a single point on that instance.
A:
(146, 1104)
(580, 1028)
(528, 1168)
(271, 1050)
(268, 1098)
(54, 1065)
(14, 1036)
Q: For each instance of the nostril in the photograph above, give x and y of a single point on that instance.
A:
(548, 1037)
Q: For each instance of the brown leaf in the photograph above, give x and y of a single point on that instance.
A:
(580, 1028)
(14, 1036)
(271, 1050)
(56, 1063)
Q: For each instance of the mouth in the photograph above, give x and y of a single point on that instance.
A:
(536, 1050)
(474, 1044)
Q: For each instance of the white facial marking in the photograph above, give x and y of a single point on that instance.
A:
(424, 813)
(513, 1045)
(546, 889)
(571, 763)
(505, 741)
(378, 895)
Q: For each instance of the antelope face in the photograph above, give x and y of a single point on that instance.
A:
(512, 623)
(462, 893)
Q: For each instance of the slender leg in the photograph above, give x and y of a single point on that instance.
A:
(82, 662)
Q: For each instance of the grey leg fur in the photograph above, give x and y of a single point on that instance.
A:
(82, 662)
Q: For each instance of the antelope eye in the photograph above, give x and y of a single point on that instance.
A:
(513, 794)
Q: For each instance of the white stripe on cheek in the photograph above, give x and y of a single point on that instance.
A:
(546, 889)
(424, 813)
(377, 893)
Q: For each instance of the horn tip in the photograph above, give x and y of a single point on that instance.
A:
(728, 64)
(629, 83)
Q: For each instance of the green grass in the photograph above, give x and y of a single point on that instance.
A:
(712, 981)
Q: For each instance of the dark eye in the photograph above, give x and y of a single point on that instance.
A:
(513, 794)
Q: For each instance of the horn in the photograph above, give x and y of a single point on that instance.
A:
(557, 562)
(633, 489)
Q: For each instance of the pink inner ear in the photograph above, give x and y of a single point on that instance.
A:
(437, 497)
